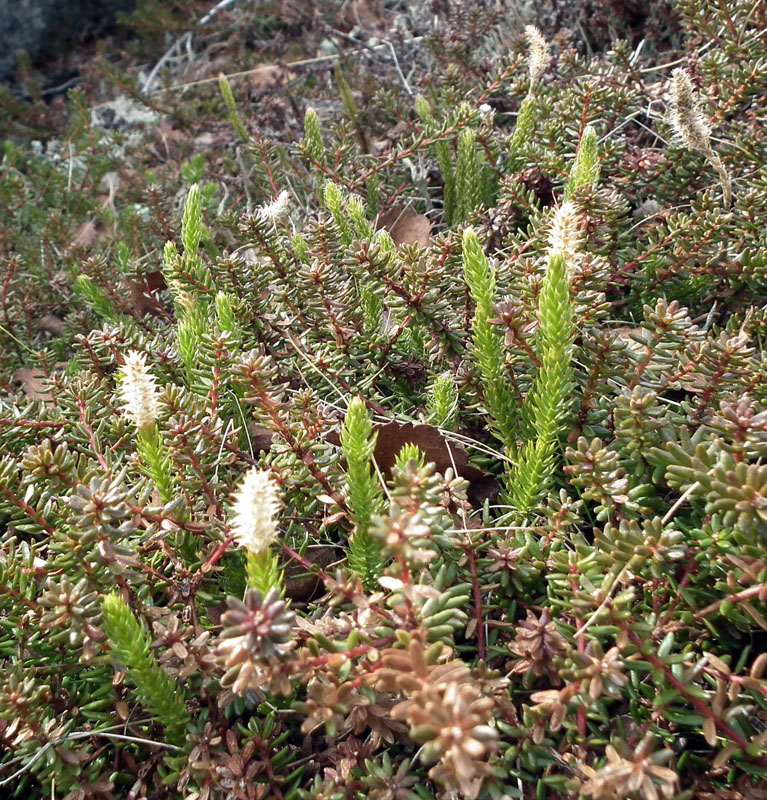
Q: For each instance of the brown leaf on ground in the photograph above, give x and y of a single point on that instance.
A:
(210, 141)
(170, 139)
(260, 438)
(393, 436)
(33, 382)
(299, 585)
(267, 76)
(534, 179)
(167, 132)
(141, 293)
(405, 226)
(89, 233)
(382, 146)
(50, 323)
(749, 791)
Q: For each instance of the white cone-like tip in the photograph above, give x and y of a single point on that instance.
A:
(256, 504)
(138, 391)
(278, 208)
(539, 56)
(565, 234)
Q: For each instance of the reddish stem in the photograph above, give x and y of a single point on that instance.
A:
(700, 706)
(30, 423)
(217, 553)
(477, 604)
(81, 407)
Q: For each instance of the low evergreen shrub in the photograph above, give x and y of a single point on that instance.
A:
(421, 457)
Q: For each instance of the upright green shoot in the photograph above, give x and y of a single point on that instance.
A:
(129, 643)
(547, 403)
(585, 169)
(487, 344)
(538, 60)
(234, 117)
(364, 492)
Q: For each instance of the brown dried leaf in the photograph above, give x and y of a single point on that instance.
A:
(393, 436)
(749, 791)
(757, 616)
(33, 383)
(759, 665)
(141, 293)
(405, 226)
(709, 731)
(302, 587)
(170, 141)
(71, 757)
(723, 756)
(168, 133)
(535, 180)
(52, 324)
(260, 438)
(89, 233)
(718, 664)
(267, 76)
(210, 141)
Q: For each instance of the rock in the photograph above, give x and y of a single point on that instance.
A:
(122, 114)
(43, 27)
(647, 209)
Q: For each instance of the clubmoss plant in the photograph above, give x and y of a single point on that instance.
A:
(231, 106)
(585, 169)
(442, 402)
(129, 647)
(254, 528)
(547, 403)
(537, 61)
(693, 129)
(358, 443)
(488, 346)
(313, 138)
(138, 393)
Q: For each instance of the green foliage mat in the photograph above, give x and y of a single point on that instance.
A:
(421, 456)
